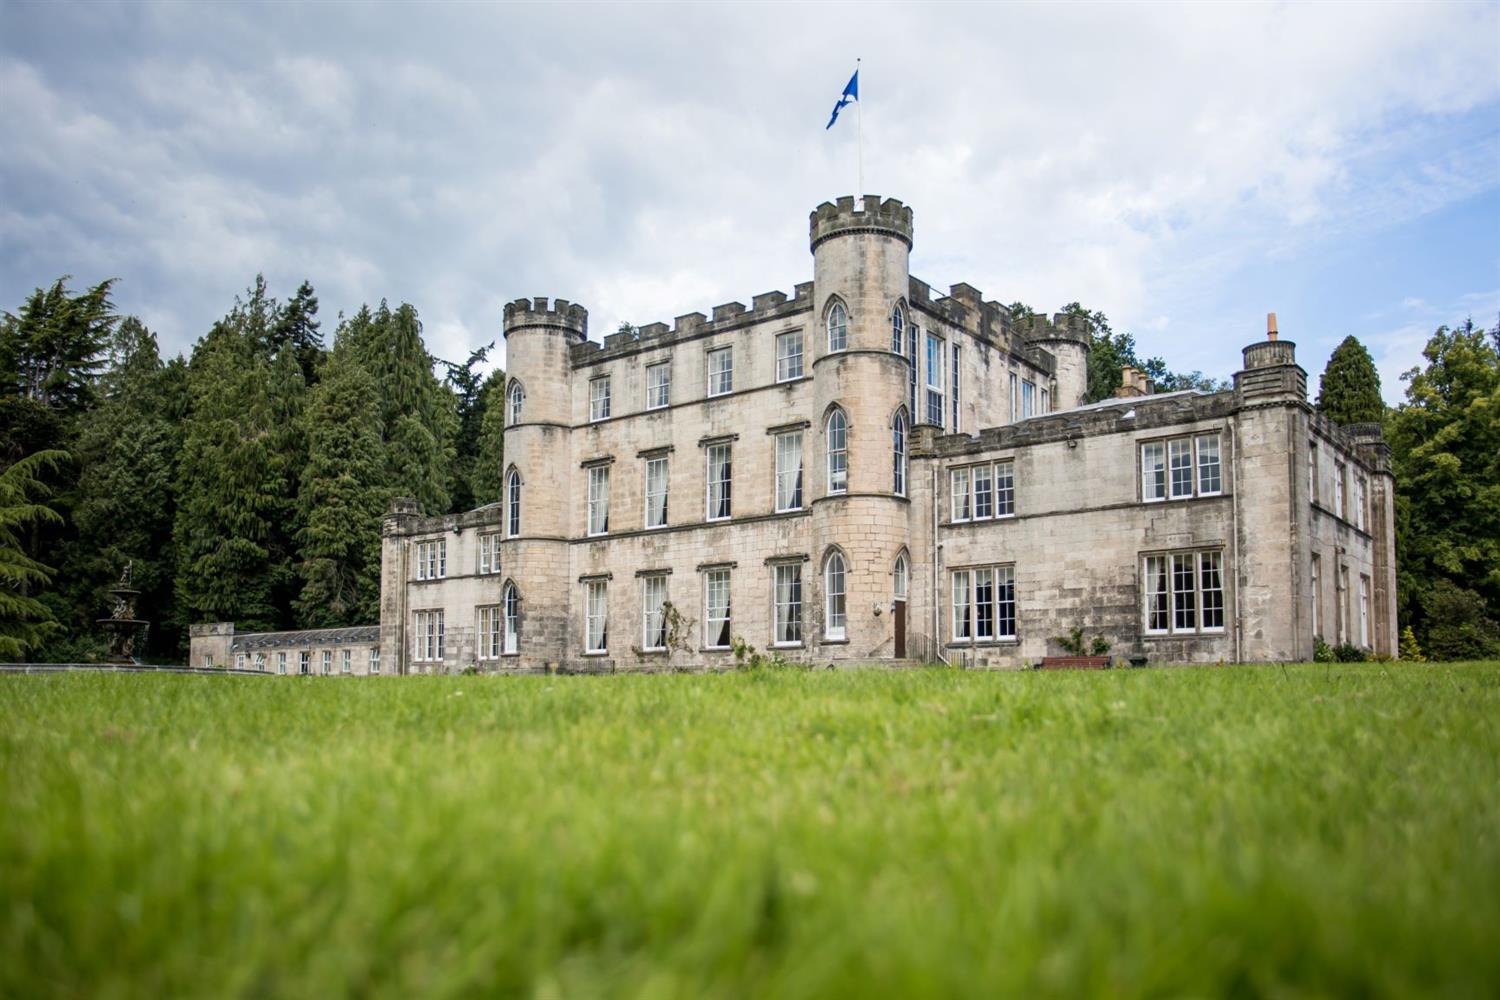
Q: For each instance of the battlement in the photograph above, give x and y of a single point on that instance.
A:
(562, 315)
(889, 217)
(1062, 326)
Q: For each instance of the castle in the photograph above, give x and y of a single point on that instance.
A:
(867, 472)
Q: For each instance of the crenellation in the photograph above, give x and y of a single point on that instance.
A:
(728, 311)
(766, 301)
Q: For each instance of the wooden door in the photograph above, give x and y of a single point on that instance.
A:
(900, 613)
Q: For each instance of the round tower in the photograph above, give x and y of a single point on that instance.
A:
(861, 256)
(534, 550)
(1067, 339)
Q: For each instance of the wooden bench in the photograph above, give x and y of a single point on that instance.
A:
(1074, 662)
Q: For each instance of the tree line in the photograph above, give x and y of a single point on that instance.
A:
(245, 482)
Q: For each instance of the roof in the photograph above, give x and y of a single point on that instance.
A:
(356, 634)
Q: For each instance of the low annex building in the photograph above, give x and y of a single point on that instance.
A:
(866, 471)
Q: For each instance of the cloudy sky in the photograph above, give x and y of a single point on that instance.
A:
(1184, 169)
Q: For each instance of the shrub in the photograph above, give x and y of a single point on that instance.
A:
(1458, 624)
(1350, 653)
(1410, 651)
(1075, 645)
(1322, 652)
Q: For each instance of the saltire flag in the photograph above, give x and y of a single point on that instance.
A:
(851, 93)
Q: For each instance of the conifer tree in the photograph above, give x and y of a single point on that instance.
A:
(297, 330)
(1349, 392)
(469, 401)
(342, 499)
(489, 458)
(25, 622)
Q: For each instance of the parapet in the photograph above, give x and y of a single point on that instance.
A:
(1062, 327)
(204, 629)
(562, 315)
(888, 218)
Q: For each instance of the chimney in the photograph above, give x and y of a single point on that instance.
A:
(1270, 326)
(1133, 382)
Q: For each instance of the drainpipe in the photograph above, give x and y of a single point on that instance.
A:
(937, 569)
(1239, 617)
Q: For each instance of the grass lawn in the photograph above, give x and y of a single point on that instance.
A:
(1308, 830)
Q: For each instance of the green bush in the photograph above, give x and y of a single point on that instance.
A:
(1322, 652)
(1350, 653)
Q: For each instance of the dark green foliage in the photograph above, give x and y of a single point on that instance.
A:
(1349, 653)
(1110, 352)
(297, 330)
(25, 622)
(1445, 444)
(1350, 388)
(52, 350)
(1322, 652)
(489, 459)
(469, 401)
(342, 499)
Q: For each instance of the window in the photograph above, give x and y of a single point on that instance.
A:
(260, 662)
(239, 661)
(348, 661)
(1359, 502)
(281, 663)
(1015, 398)
(428, 633)
(1364, 611)
(489, 553)
(984, 604)
(716, 609)
(789, 471)
(304, 662)
(512, 504)
(1312, 472)
(510, 600)
(1184, 592)
(658, 385)
(953, 377)
(719, 485)
(656, 492)
(984, 491)
(516, 396)
(898, 578)
(1317, 590)
(959, 479)
(653, 614)
(720, 371)
(838, 328)
(898, 454)
(898, 330)
(489, 632)
(208, 660)
(599, 398)
(1339, 472)
(934, 380)
(327, 661)
(1046, 402)
(1209, 478)
(911, 370)
(598, 499)
(835, 621)
(1340, 603)
(788, 599)
(1028, 398)
(432, 560)
(596, 621)
(789, 356)
(838, 451)
(374, 661)
(1183, 467)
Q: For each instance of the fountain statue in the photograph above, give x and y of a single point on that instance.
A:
(124, 629)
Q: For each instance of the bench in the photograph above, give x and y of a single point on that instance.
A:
(1074, 662)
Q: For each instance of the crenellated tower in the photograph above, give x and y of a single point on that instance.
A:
(861, 263)
(1067, 339)
(534, 553)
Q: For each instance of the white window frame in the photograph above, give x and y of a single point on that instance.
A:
(955, 370)
(432, 559)
(936, 349)
(304, 662)
(1360, 499)
(789, 464)
(489, 553)
(1209, 464)
(598, 501)
(513, 504)
(653, 618)
(239, 661)
(596, 617)
(1181, 467)
(281, 663)
(1028, 398)
(1165, 598)
(374, 667)
(660, 489)
(1364, 611)
(960, 494)
(1046, 403)
(1316, 588)
(898, 330)
(724, 486)
(786, 619)
(995, 621)
(428, 636)
(327, 662)
(837, 438)
(515, 399)
(900, 577)
(260, 662)
(835, 597)
(510, 605)
(659, 385)
(790, 364)
(1340, 470)
(837, 324)
(717, 617)
(346, 661)
(600, 398)
(489, 630)
(720, 363)
(899, 428)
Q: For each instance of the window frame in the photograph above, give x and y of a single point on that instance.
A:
(429, 635)
(835, 597)
(597, 505)
(489, 630)
(515, 402)
(898, 330)
(836, 480)
(784, 358)
(793, 605)
(1169, 602)
(648, 582)
(1000, 496)
(659, 397)
(726, 498)
(510, 611)
(664, 493)
(591, 588)
(601, 404)
(1001, 610)
(1163, 473)
(838, 332)
(489, 553)
(724, 375)
(795, 490)
(513, 503)
(936, 346)
(725, 622)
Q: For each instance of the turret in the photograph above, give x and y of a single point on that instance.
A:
(537, 340)
(1271, 372)
(1067, 339)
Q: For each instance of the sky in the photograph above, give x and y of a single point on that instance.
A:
(1184, 169)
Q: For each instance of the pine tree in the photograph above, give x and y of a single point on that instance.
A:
(342, 499)
(1411, 652)
(1350, 389)
(25, 622)
(469, 402)
(297, 330)
(489, 458)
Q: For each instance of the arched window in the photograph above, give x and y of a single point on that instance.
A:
(898, 583)
(510, 603)
(512, 504)
(898, 330)
(515, 397)
(898, 453)
(837, 436)
(834, 620)
(838, 327)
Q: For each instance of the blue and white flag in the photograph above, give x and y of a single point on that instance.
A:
(851, 93)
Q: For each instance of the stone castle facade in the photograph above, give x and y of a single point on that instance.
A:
(865, 471)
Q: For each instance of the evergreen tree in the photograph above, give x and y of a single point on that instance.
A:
(489, 461)
(469, 402)
(1445, 445)
(25, 622)
(1350, 389)
(342, 499)
(297, 330)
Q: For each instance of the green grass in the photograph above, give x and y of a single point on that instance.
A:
(1308, 830)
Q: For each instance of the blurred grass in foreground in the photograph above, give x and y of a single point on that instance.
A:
(1324, 830)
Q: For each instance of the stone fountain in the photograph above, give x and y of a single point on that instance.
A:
(123, 627)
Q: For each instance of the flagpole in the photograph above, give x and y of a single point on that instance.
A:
(859, 128)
